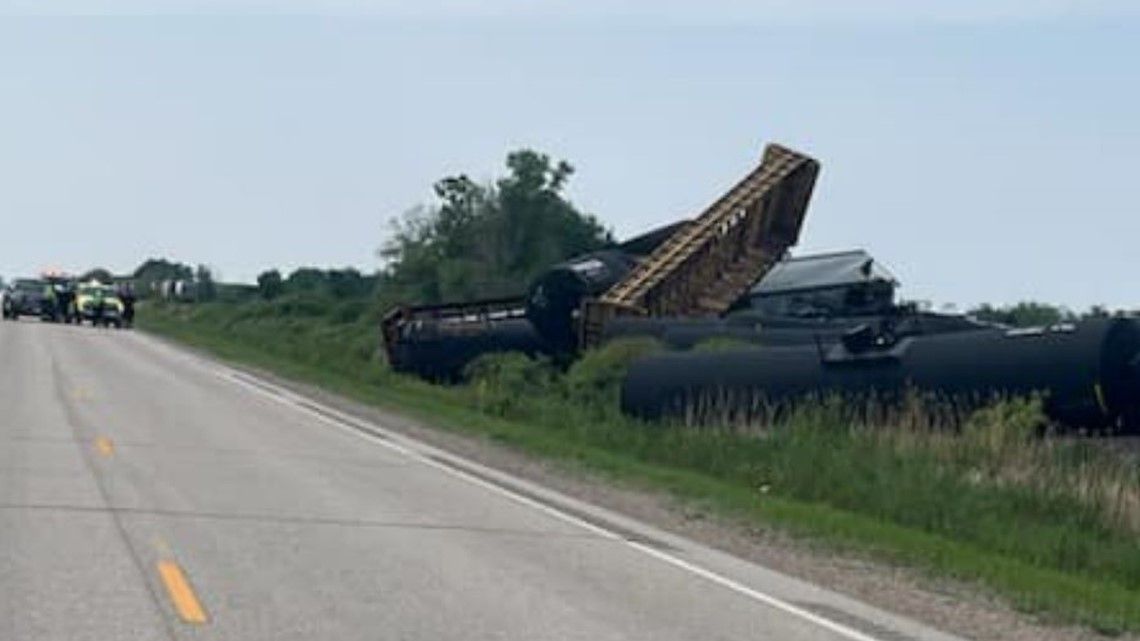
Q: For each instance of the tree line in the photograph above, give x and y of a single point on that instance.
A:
(478, 240)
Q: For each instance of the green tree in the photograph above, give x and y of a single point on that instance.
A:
(482, 241)
(163, 269)
(1023, 314)
(269, 284)
(346, 283)
(154, 271)
(100, 274)
(305, 279)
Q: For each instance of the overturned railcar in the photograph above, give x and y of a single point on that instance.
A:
(803, 301)
(553, 300)
(795, 327)
(1088, 373)
(437, 342)
(698, 267)
(809, 300)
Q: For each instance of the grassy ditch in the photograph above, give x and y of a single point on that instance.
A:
(1051, 525)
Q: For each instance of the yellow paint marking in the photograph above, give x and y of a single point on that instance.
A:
(181, 594)
(82, 394)
(104, 445)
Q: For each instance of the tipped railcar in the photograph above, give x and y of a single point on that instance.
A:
(791, 327)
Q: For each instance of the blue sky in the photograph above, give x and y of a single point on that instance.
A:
(985, 151)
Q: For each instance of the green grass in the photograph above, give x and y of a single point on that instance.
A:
(1050, 526)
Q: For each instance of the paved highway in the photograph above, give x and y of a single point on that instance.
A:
(148, 493)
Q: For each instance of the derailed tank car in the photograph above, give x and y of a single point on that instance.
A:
(812, 326)
(553, 300)
(1088, 372)
(436, 342)
(807, 301)
(691, 267)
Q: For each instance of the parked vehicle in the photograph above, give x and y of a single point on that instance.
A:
(99, 304)
(24, 298)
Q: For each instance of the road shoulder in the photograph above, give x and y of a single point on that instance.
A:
(940, 603)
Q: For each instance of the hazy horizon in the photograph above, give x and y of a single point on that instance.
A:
(982, 151)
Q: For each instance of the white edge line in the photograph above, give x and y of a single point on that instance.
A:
(292, 400)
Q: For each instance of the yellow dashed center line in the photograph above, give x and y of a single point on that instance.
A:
(104, 445)
(181, 594)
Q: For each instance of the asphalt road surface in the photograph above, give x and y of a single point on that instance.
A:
(148, 493)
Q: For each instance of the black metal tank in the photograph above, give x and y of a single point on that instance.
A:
(553, 300)
(1089, 372)
(759, 329)
(439, 351)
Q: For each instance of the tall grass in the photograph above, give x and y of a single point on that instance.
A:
(1048, 520)
(996, 482)
(338, 336)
